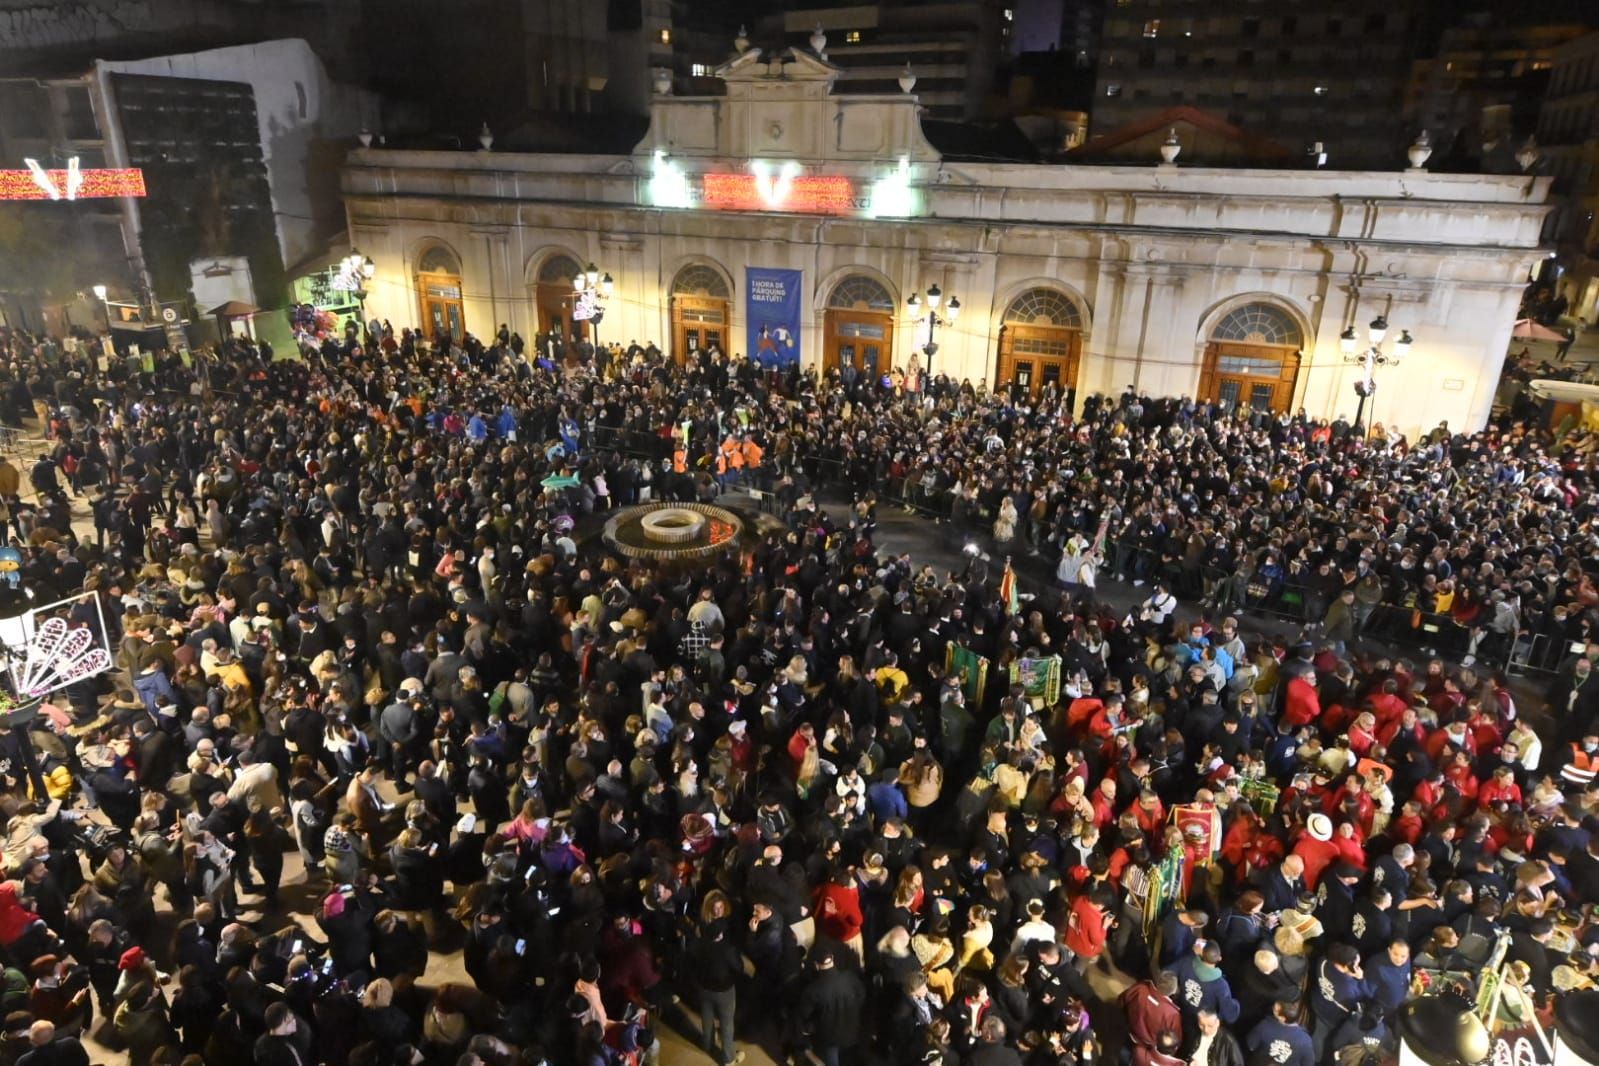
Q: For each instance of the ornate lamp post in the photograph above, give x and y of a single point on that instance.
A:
(952, 311)
(589, 287)
(1370, 358)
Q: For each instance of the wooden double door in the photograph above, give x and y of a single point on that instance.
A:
(862, 339)
(442, 308)
(1032, 358)
(555, 304)
(1260, 376)
(698, 322)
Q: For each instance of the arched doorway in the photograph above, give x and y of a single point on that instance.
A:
(552, 295)
(1040, 343)
(858, 328)
(700, 302)
(438, 284)
(1252, 358)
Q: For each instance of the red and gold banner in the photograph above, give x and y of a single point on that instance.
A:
(97, 184)
(817, 194)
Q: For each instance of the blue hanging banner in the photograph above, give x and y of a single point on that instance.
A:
(772, 315)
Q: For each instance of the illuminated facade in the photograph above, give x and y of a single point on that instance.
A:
(1232, 284)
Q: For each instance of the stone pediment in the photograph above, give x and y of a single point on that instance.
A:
(790, 64)
(781, 106)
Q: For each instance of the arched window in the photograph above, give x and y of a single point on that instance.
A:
(438, 260)
(700, 280)
(861, 293)
(558, 270)
(1258, 323)
(1044, 307)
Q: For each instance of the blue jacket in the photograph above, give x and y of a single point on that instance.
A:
(1283, 1044)
(1194, 993)
(1334, 995)
(1389, 984)
(886, 801)
(154, 688)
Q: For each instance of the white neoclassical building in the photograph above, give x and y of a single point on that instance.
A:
(783, 199)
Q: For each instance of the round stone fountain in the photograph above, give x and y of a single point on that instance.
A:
(672, 531)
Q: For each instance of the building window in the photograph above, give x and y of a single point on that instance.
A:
(1181, 60)
(1146, 59)
(1010, 15)
(1246, 59)
(666, 35)
(1334, 27)
(1113, 89)
(1251, 27)
(700, 70)
(1376, 22)
(1152, 28)
(852, 37)
(1290, 25)
(1320, 90)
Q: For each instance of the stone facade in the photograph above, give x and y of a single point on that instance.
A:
(1150, 258)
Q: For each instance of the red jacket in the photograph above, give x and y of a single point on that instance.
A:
(1149, 1014)
(1085, 928)
(1492, 792)
(1388, 707)
(1318, 855)
(1304, 704)
(838, 911)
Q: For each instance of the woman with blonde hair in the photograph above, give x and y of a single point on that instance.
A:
(975, 941)
(934, 951)
(716, 907)
(922, 779)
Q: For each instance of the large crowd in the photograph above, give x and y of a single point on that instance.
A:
(359, 612)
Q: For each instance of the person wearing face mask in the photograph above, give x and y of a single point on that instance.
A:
(1578, 762)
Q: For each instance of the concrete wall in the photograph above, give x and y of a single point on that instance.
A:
(307, 124)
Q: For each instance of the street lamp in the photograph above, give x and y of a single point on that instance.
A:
(1370, 358)
(590, 287)
(952, 311)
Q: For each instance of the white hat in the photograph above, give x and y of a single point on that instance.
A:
(1320, 826)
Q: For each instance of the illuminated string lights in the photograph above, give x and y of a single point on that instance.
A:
(36, 183)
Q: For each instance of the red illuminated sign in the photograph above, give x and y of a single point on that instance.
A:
(820, 194)
(95, 184)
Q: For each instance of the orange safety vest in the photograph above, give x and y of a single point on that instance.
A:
(752, 454)
(721, 462)
(1582, 768)
(733, 454)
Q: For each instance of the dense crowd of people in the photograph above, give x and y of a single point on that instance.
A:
(360, 612)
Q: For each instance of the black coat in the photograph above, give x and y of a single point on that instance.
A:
(831, 1007)
(997, 1055)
